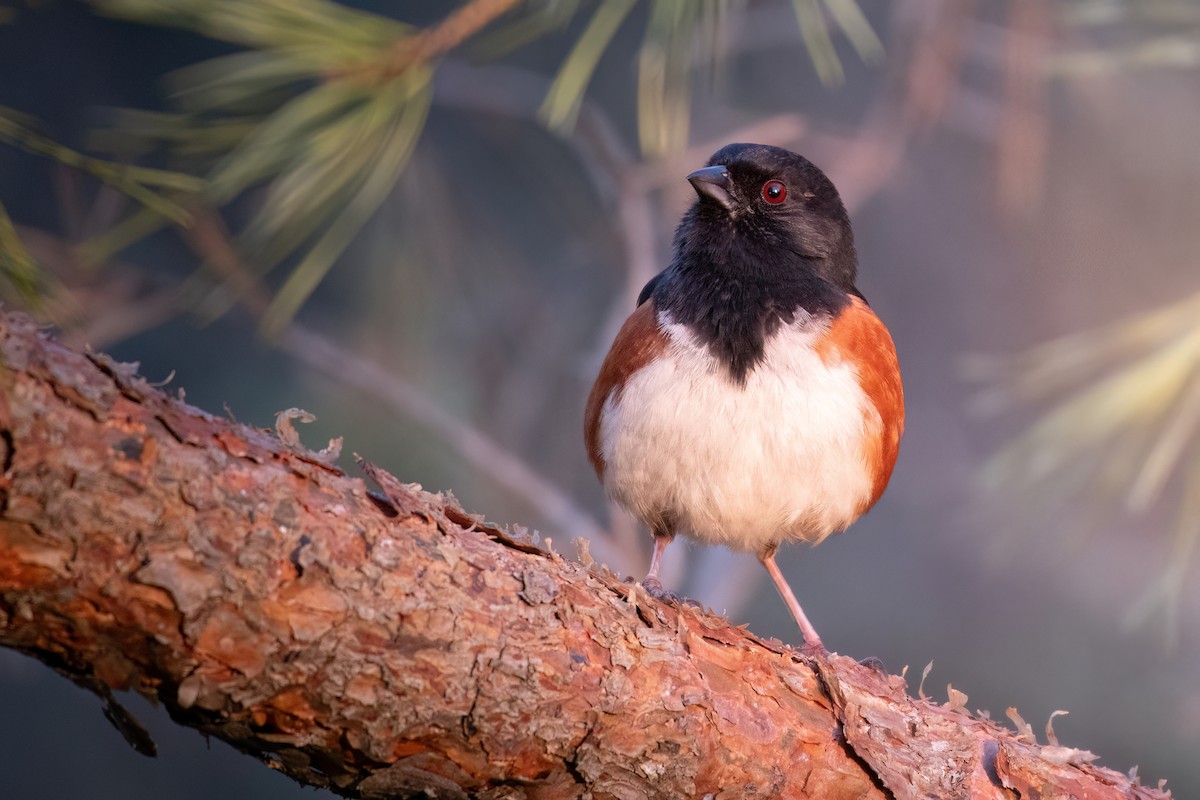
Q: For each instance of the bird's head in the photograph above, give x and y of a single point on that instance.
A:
(770, 208)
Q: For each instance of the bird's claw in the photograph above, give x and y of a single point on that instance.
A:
(873, 663)
(655, 589)
(815, 649)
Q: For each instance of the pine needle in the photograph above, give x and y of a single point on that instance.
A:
(1123, 421)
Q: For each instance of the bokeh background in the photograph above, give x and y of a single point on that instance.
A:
(1017, 172)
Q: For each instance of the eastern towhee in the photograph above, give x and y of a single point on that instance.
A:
(753, 397)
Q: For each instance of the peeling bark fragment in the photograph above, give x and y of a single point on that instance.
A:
(539, 588)
(406, 779)
(226, 638)
(401, 647)
(189, 584)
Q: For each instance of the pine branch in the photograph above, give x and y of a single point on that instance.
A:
(457, 27)
(397, 646)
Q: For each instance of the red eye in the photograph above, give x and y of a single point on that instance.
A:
(774, 192)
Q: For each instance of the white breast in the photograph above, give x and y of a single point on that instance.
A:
(746, 466)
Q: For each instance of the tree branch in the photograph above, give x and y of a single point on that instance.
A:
(448, 34)
(428, 44)
(400, 647)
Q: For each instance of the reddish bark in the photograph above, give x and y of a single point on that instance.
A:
(401, 647)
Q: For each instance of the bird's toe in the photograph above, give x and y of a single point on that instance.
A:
(655, 589)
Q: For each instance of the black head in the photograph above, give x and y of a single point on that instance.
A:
(768, 196)
(767, 243)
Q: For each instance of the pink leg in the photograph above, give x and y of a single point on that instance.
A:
(806, 629)
(652, 583)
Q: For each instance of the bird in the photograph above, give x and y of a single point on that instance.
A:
(753, 397)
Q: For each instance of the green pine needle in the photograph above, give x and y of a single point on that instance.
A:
(1124, 424)
(562, 103)
(20, 273)
(140, 183)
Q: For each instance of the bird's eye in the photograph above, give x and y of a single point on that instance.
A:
(774, 192)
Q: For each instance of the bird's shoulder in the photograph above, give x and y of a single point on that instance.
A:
(857, 334)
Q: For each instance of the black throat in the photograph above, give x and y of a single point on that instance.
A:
(735, 292)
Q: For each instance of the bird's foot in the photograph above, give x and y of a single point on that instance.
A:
(655, 589)
(815, 649)
(873, 663)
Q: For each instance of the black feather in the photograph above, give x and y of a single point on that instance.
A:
(648, 289)
(738, 276)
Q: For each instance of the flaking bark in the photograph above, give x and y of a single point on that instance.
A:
(396, 646)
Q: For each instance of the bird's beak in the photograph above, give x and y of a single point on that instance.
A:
(713, 183)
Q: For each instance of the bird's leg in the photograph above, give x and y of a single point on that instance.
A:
(651, 583)
(811, 640)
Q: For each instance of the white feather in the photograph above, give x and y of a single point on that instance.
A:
(748, 466)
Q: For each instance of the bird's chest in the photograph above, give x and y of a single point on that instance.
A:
(745, 464)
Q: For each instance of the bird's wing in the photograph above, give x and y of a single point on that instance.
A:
(648, 289)
(638, 341)
(858, 337)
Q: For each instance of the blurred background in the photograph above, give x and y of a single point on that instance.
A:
(424, 222)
